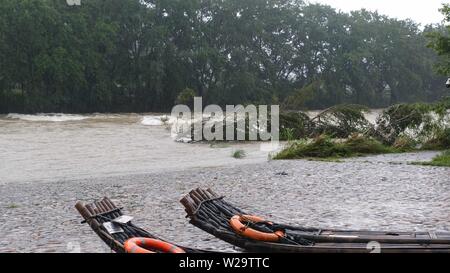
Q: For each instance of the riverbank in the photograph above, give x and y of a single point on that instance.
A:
(376, 192)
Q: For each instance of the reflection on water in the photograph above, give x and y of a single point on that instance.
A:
(57, 146)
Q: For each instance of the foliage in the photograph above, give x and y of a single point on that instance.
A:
(440, 42)
(303, 97)
(405, 144)
(239, 154)
(325, 147)
(287, 134)
(400, 128)
(321, 147)
(138, 55)
(418, 121)
(295, 125)
(405, 127)
(398, 118)
(341, 121)
(186, 97)
(442, 160)
(361, 145)
(12, 206)
(440, 142)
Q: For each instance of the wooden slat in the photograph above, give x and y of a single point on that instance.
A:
(213, 215)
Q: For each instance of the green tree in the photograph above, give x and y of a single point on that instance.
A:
(138, 55)
(440, 42)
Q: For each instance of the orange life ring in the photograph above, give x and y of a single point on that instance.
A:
(240, 228)
(142, 246)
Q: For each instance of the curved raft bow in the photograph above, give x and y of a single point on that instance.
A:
(211, 213)
(122, 236)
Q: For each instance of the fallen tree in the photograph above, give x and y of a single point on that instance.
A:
(419, 122)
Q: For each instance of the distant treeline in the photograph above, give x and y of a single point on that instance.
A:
(139, 55)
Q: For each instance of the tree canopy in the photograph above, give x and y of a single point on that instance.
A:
(440, 42)
(139, 55)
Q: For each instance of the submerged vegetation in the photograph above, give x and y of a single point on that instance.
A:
(341, 121)
(295, 125)
(440, 141)
(343, 131)
(238, 154)
(12, 206)
(326, 147)
(400, 124)
(419, 121)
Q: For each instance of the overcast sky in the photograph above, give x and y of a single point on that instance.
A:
(421, 11)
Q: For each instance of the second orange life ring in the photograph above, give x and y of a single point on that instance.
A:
(142, 246)
(240, 228)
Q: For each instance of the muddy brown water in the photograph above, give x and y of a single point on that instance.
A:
(48, 147)
(47, 163)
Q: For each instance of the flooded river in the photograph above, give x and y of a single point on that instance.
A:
(54, 147)
(48, 162)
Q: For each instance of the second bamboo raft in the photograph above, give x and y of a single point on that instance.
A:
(211, 213)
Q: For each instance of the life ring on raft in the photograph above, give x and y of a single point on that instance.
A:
(142, 246)
(236, 223)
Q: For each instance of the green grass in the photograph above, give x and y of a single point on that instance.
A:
(238, 154)
(287, 134)
(359, 145)
(440, 142)
(442, 160)
(12, 206)
(324, 147)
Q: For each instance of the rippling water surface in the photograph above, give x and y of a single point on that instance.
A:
(57, 146)
(48, 162)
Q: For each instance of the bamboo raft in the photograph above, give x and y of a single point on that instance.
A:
(105, 219)
(209, 212)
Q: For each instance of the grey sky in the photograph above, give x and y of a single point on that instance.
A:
(421, 11)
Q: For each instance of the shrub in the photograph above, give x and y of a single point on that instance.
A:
(321, 147)
(440, 142)
(442, 160)
(287, 134)
(360, 145)
(418, 121)
(324, 147)
(404, 144)
(186, 97)
(238, 154)
(294, 125)
(342, 120)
